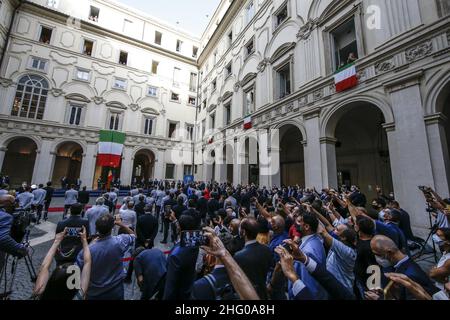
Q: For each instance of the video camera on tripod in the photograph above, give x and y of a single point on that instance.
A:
(22, 220)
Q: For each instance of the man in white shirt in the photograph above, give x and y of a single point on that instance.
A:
(96, 212)
(70, 198)
(25, 199)
(38, 201)
(128, 216)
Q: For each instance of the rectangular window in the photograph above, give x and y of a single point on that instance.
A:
(127, 26)
(187, 171)
(155, 65)
(75, 113)
(152, 91)
(176, 77)
(212, 121)
(148, 126)
(189, 132)
(249, 48)
(192, 101)
(114, 121)
(158, 37)
(175, 97)
(193, 82)
(249, 12)
(249, 103)
(46, 35)
(230, 38)
(443, 8)
(179, 45)
(120, 83)
(123, 58)
(88, 46)
(227, 115)
(281, 16)
(172, 130)
(170, 171)
(228, 70)
(203, 127)
(39, 64)
(94, 14)
(345, 46)
(284, 81)
(194, 52)
(82, 74)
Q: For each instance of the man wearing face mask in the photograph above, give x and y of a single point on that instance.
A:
(441, 273)
(388, 256)
(7, 244)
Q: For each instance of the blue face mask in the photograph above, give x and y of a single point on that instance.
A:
(438, 241)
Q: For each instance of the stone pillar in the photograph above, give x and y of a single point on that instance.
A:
(179, 170)
(88, 165)
(221, 166)
(126, 171)
(312, 150)
(274, 154)
(2, 157)
(159, 164)
(237, 163)
(328, 159)
(264, 159)
(409, 149)
(45, 161)
(440, 161)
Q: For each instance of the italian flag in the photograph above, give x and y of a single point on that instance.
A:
(346, 78)
(248, 123)
(110, 148)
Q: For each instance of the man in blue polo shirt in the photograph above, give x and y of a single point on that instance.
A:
(107, 275)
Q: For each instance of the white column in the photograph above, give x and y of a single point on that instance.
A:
(312, 151)
(159, 164)
(264, 159)
(440, 161)
(179, 168)
(45, 161)
(237, 163)
(409, 149)
(221, 166)
(329, 166)
(88, 165)
(126, 170)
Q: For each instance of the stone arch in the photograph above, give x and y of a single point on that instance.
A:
(57, 144)
(8, 138)
(438, 91)
(285, 37)
(331, 117)
(79, 89)
(294, 123)
(68, 160)
(50, 82)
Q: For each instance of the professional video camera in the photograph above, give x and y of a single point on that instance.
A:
(22, 220)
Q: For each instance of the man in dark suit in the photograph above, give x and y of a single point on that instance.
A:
(167, 207)
(213, 204)
(181, 266)
(48, 199)
(193, 212)
(83, 199)
(146, 229)
(212, 286)
(139, 208)
(71, 245)
(255, 259)
(389, 257)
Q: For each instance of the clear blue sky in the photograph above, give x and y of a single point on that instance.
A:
(191, 14)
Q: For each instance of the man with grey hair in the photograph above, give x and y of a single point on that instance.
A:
(98, 210)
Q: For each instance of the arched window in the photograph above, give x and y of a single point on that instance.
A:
(31, 97)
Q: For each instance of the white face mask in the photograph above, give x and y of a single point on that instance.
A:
(383, 262)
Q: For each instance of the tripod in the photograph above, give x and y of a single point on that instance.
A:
(8, 285)
(422, 252)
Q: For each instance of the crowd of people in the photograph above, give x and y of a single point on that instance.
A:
(287, 243)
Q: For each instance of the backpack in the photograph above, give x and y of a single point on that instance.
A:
(225, 293)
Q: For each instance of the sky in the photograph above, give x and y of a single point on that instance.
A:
(192, 16)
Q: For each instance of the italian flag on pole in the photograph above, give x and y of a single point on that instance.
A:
(110, 148)
(248, 123)
(346, 78)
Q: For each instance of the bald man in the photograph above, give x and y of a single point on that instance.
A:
(389, 256)
(7, 243)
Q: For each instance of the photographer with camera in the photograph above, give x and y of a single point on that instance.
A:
(7, 244)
